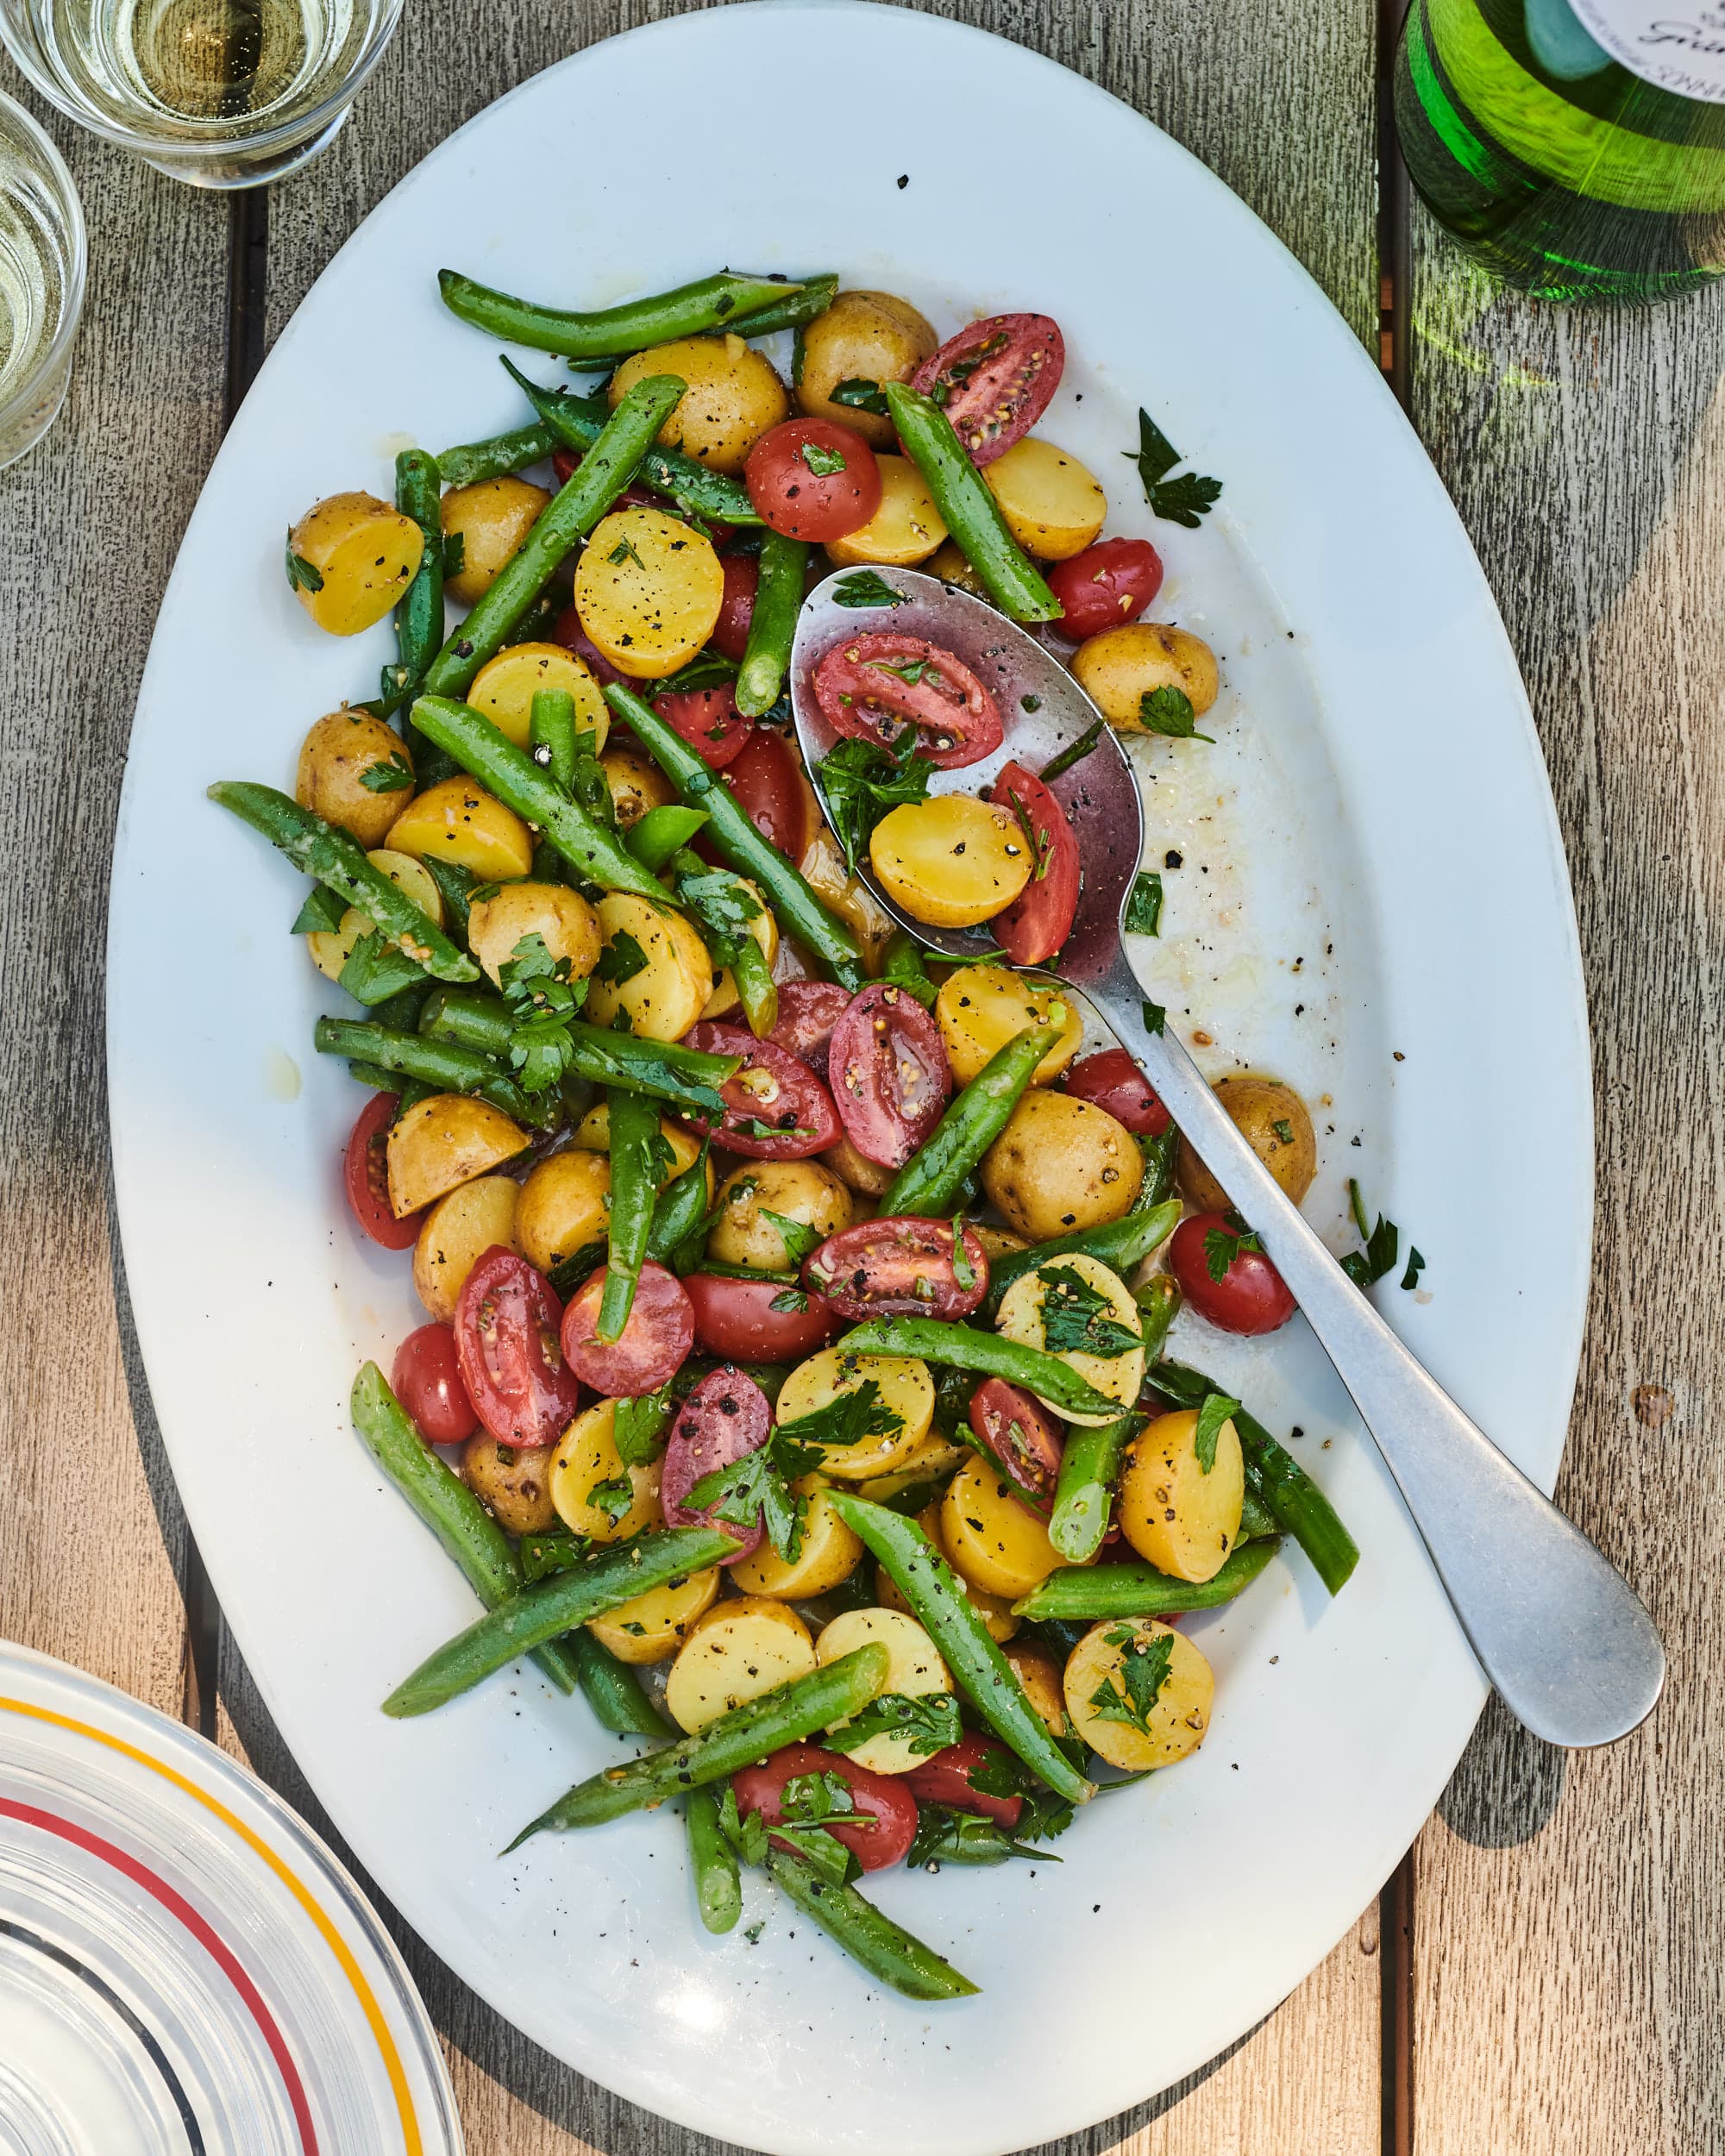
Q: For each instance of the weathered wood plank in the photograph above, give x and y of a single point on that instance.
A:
(91, 1536)
(1308, 2084)
(1570, 1936)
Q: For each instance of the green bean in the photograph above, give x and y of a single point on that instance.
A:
(958, 1347)
(1120, 1246)
(870, 1937)
(784, 1715)
(596, 854)
(1274, 1475)
(572, 512)
(969, 511)
(557, 1605)
(577, 424)
(938, 1599)
(419, 618)
(455, 887)
(663, 831)
(928, 1183)
(778, 601)
(1089, 1468)
(721, 302)
(712, 1862)
(634, 1135)
(680, 1210)
(551, 735)
(470, 1018)
(400, 1013)
(1256, 1520)
(611, 1688)
(340, 864)
(1093, 1591)
(470, 461)
(739, 845)
(902, 964)
(443, 1501)
(1158, 1305)
(439, 1065)
(685, 1077)
(800, 305)
(945, 1836)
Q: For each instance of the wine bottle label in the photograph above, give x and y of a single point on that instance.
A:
(1676, 47)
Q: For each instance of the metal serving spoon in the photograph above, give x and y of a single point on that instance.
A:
(1568, 1646)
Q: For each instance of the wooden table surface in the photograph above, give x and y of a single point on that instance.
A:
(1545, 1973)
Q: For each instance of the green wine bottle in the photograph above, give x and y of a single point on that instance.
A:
(1576, 147)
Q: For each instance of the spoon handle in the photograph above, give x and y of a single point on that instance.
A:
(1556, 1629)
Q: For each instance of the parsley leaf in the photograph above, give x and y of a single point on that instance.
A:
(1216, 1410)
(1001, 1774)
(790, 1301)
(541, 1000)
(707, 670)
(612, 1497)
(620, 961)
(862, 783)
(722, 903)
(824, 463)
(1223, 1245)
(1416, 1265)
(1184, 500)
(859, 393)
(1168, 711)
(808, 1806)
(964, 1272)
(301, 575)
(320, 914)
(639, 1424)
(1143, 1671)
(867, 587)
(374, 970)
(388, 778)
(1074, 752)
(625, 551)
(1076, 1320)
(1144, 907)
(846, 1419)
(1382, 1244)
(797, 1239)
(454, 554)
(1283, 1130)
(1154, 1015)
(928, 1724)
(910, 672)
(542, 1555)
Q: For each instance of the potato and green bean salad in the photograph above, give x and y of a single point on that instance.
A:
(791, 1381)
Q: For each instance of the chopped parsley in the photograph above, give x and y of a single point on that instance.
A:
(1155, 1016)
(862, 783)
(910, 672)
(625, 551)
(374, 970)
(722, 903)
(1185, 499)
(867, 587)
(1142, 1672)
(964, 1272)
(824, 463)
(1144, 907)
(301, 575)
(1168, 711)
(1416, 1265)
(798, 1238)
(620, 961)
(320, 914)
(1077, 1319)
(1223, 1245)
(928, 1724)
(1383, 1245)
(1283, 1130)
(789, 1302)
(454, 554)
(542, 1000)
(858, 393)
(1001, 1774)
(1216, 1410)
(808, 1803)
(1074, 752)
(710, 670)
(613, 1497)
(388, 778)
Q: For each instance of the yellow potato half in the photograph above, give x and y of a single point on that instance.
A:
(1121, 666)
(1062, 1164)
(504, 688)
(830, 1553)
(661, 972)
(331, 948)
(459, 822)
(907, 527)
(1178, 1515)
(1053, 506)
(490, 519)
(647, 589)
(905, 1390)
(1068, 1279)
(458, 1232)
(443, 1142)
(733, 396)
(1175, 1722)
(741, 1648)
(594, 1493)
(335, 758)
(953, 860)
(650, 1627)
(990, 1538)
(981, 1008)
(914, 1670)
(353, 557)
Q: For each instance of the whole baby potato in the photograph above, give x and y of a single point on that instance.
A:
(863, 336)
(565, 1205)
(1062, 1164)
(512, 1484)
(568, 926)
(333, 759)
(636, 784)
(1275, 1122)
(491, 518)
(1120, 667)
(796, 1190)
(732, 398)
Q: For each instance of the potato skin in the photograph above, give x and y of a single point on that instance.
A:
(1061, 1164)
(1177, 1517)
(493, 516)
(458, 1232)
(864, 335)
(459, 821)
(1180, 1716)
(799, 1190)
(564, 1204)
(1258, 1105)
(334, 758)
(366, 552)
(867, 1178)
(563, 918)
(651, 1627)
(443, 1142)
(979, 1008)
(734, 395)
(636, 784)
(1121, 665)
(511, 1484)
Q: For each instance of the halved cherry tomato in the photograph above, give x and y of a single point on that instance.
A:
(994, 378)
(757, 1321)
(1022, 1436)
(1110, 1080)
(812, 478)
(654, 1345)
(736, 608)
(775, 1108)
(726, 1417)
(808, 1010)
(903, 692)
(901, 1267)
(770, 788)
(509, 1354)
(1109, 583)
(567, 631)
(944, 1778)
(365, 1172)
(893, 1810)
(1039, 920)
(427, 1381)
(1250, 1297)
(707, 719)
(888, 1068)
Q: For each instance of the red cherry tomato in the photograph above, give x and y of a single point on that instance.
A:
(904, 692)
(775, 1108)
(510, 1361)
(726, 1417)
(1250, 1297)
(1109, 583)
(708, 720)
(878, 1795)
(567, 631)
(427, 1381)
(808, 1010)
(737, 1320)
(812, 478)
(1110, 1080)
(901, 1267)
(736, 608)
(366, 1171)
(944, 1778)
(654, 1343)
(1039, 920)
(886, 1065)
(994, 379)
(1022, 1436)
(768, 785)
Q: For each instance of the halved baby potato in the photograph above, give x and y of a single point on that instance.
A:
(1053, 506)
(650, 1627)
(353, 557)
(498, 925)
(504, 688)
(829, 1554)
(953, 860)
(459, 822)
(331, 948)
(565, 1205)
(981, 1008)
(1177, 1718)
(1179, 1515)
(653, 967)
(1040, 1674)
(335, 758)
(1021, 1319)
(905, 529)
(990, 1538)
(741, 1648)
(995, 1610)
(734, 395)
(647, 589)
(1121, 666)
(458, 1232)
(905, 1389)
(636, 784)
(594, 1493)
(443, 1142)
(491, 518)
(914, 1670)
(1060, 1164)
